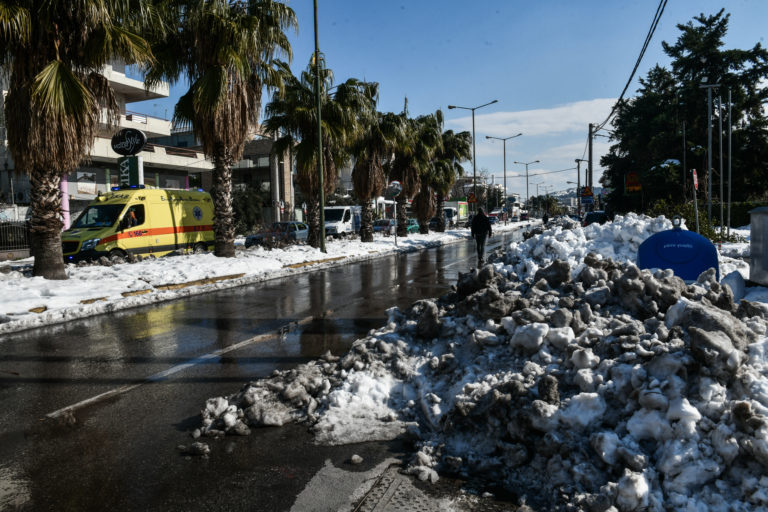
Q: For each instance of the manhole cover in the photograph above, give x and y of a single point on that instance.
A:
(394, 492)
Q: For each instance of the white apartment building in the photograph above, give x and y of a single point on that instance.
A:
(171, 160)
(164, 166)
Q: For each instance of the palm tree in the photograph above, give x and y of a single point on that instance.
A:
(227, 52)
(457, 148)
(424, 205)
(412, 158)
(373, 147)
(292, 115)
(53, 52)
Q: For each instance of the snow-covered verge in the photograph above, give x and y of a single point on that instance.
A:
(91, 289)
(561, 373)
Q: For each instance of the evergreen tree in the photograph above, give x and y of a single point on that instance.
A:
(648, 129)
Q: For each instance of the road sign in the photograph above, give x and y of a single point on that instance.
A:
(587, 200)
(695, 180)
(586, 192)
(632, 182)
(471, 198)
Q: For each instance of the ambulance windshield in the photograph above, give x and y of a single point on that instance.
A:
(98, 216)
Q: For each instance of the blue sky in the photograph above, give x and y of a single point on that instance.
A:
(553, 65)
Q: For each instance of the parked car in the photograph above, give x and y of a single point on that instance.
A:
(290, 231)
(413, 226)
(598, 216)
(385, 226)
(493, 219)
(515, 218)
(523, 215)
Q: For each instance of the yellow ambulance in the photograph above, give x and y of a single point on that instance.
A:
(140, 221)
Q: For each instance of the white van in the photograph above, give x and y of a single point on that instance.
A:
(342, 220)
(451, 216)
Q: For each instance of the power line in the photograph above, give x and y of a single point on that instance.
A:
(541, 173)
(648, 37)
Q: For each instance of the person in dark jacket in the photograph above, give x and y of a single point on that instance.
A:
(481, 229)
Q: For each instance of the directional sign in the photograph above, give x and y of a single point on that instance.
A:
(587, 200)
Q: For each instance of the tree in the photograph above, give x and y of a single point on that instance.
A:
(648, 128)
(292, 115)
(371, 150)
(412, 159)
(227, 52)
(456, 148)
(53, 52)
(246, 204)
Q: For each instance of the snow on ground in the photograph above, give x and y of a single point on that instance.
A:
(559, 373)
(29, 302)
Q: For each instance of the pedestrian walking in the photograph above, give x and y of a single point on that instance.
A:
(481, 229)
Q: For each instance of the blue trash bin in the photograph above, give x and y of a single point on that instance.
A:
(687, 253)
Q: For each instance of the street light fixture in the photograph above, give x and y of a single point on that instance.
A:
(504, 141)
(474, 159)
(526, 164)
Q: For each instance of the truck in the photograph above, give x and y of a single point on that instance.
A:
(342, 220)
(140, 221)
(456, 212)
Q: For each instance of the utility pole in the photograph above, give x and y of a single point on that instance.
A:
(319, 137)
(685, 169)
(720, 162)
(578, 183)
(589, 168)
(709, 148)
(730, 123)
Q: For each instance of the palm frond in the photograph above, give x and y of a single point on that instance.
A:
(57, 91)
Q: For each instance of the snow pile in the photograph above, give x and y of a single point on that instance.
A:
(585, 384)
(619, 388)
(617, 240)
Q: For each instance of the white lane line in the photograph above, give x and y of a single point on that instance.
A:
(170, 371)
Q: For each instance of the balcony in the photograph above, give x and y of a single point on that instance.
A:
(151, 126)
(155, 155)
(131, 88)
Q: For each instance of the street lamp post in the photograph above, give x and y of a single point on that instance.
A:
(474, 159)
(504, 141)
(526, 164)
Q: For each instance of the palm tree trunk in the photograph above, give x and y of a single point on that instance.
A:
(402, 215)
(313, 219)
(440, 214)
(223, 221)
(366, 221)
(45, 225)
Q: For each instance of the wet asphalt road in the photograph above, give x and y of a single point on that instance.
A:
(139, 378)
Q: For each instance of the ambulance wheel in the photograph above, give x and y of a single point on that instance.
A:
(200, 248)
(117, 253)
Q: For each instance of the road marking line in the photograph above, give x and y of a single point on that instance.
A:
(174, 369)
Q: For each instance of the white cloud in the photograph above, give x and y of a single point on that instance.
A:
(572, 117)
